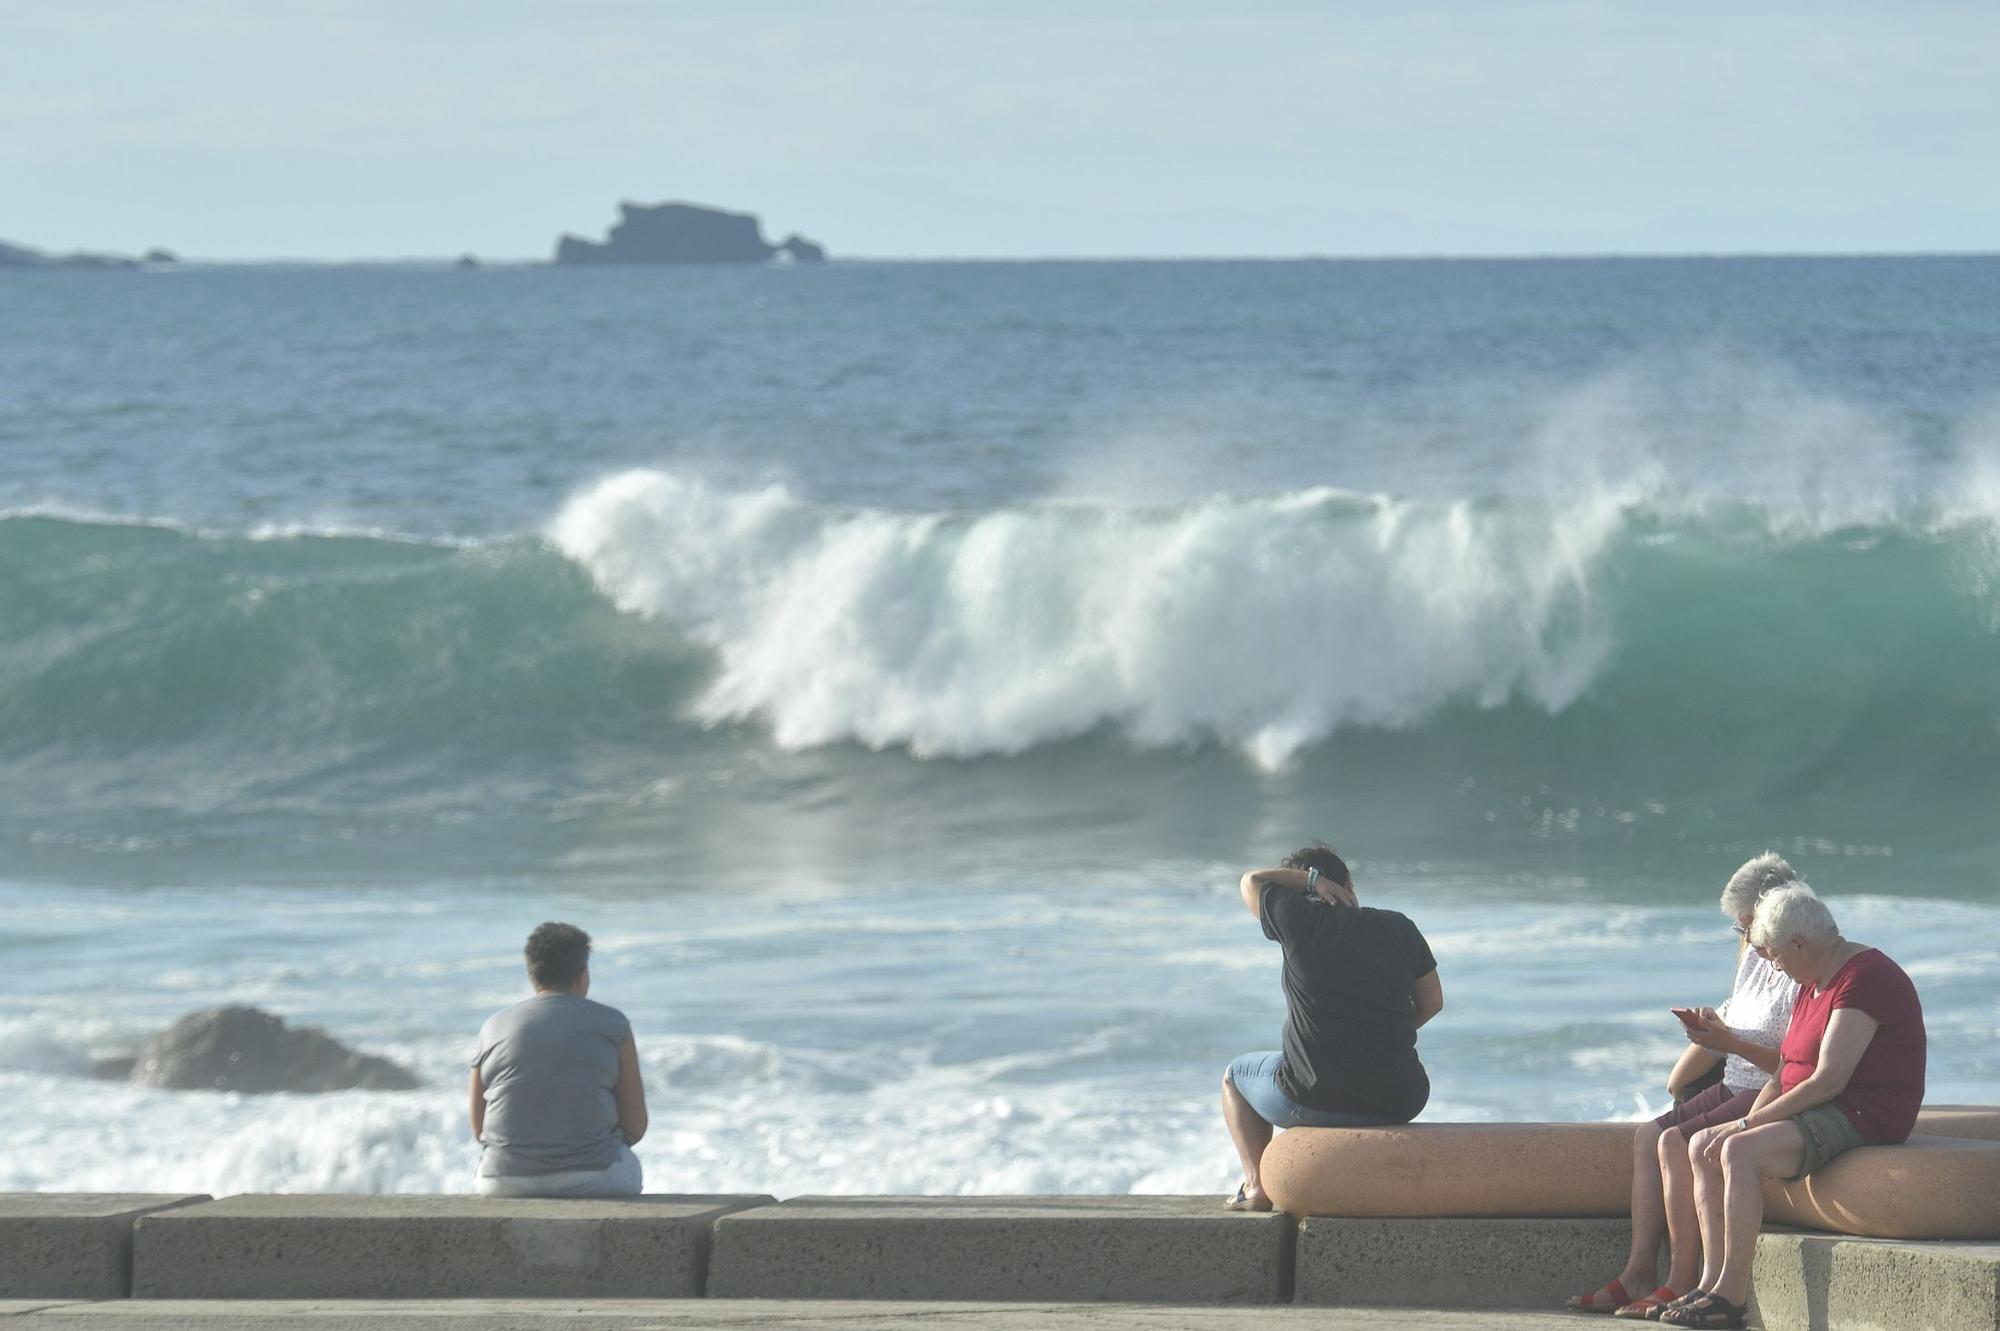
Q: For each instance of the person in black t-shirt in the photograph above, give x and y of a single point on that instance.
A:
(1358, 984)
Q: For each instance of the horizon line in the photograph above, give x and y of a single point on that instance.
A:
(1522, 256)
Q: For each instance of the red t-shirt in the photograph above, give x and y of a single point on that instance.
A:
(1887, 1088)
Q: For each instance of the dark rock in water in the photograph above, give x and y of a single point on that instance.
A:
(803, 250)
(157, 255)
(21, 256)
(683, 233)
(467, 261)
(245, 1049)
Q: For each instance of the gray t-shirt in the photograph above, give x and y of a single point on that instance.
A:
(549, 1064)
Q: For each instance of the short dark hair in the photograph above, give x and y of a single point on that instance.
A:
(557, 954)
(1321, 856)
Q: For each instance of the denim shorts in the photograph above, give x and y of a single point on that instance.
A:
(1255, 1077)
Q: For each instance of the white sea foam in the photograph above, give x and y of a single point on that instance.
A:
(924, 1041)
(1264, 623)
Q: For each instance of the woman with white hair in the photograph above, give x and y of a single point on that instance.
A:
(1852, 1075)
(1742, 1036)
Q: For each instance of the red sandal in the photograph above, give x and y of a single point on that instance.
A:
(1648, 1308)
(1609, 1299)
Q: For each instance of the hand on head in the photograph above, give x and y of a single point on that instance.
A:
(1336, 893)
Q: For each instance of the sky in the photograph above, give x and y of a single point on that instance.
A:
(889, 128)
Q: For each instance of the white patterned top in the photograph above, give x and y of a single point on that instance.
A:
(1758, 1010)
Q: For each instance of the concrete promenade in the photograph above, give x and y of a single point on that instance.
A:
(750, 1314)
(140, 1262)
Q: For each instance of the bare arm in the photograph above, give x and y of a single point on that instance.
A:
(1840, 1049)
(1713, 1035)
(1689, 1068)
(630, 1093)
(1427, 995)
(1252, 886)
(477, 1109)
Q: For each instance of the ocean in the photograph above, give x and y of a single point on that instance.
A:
(894, 665)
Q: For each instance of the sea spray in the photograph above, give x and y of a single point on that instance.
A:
(1263, 623)
(1465, 673)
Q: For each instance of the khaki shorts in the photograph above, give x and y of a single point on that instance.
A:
(1829, 1133)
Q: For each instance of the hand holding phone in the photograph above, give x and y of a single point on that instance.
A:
(1689, 1017)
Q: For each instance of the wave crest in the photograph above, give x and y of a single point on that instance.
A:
(1266, 623)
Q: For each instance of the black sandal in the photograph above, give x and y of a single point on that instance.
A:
(1694, 1295)
(1708, 1311)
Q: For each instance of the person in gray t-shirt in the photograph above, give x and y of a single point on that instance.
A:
(557, 1104)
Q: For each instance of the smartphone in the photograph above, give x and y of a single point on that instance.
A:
(1688, 1016)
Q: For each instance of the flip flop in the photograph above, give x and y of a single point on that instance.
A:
(1609, 1299)
(1242, 1202)
(1649, 1308)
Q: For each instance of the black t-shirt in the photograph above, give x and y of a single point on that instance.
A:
(1350, 1023)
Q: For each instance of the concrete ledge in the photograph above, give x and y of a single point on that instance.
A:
(343, 1247)
(1071, 1249)
(73, 1245)
(1925, 1188)
(1813, 1282)
(1469, 1263)
(1502, 1170)
(748, 1314)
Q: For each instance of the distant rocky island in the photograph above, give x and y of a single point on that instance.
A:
(684, 233)
(22, 256)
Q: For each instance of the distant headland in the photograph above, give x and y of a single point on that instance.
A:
(684, 233)
(22, 256)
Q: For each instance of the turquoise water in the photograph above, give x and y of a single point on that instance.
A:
(894, 665)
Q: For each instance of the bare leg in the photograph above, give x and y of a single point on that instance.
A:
(1707, 1207)
(1683, 1228)
(1648, 1220)
(1249, 1132)
(1775, 1149)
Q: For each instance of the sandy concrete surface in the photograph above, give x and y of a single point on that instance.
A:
(345, 1247)
(72, 1245)
(1478, 1263)
(1097, 1249)
(763, 1314)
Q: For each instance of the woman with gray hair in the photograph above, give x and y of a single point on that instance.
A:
(1738, 1043)
(1852, 1074)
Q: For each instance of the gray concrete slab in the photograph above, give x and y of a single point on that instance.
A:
(1811, 1282)
(1071, 1249)
(72, 1245)
(757, 1314)
(1465, 1263)
(334, 1247)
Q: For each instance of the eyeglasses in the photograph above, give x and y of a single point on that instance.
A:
(1741, 931)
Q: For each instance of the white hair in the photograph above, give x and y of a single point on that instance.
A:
(1749, 883)
(1792, 911)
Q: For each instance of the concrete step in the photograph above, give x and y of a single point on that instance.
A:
(1084, 1249)
(1466, 1263)
(73, 1245)
(1807, 1282)
(346, 1247)
(750, 1314)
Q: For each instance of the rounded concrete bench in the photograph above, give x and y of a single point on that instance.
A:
(1935, 1186)
(1453, 1169)
(1968, 1122)
(1926, 1188)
